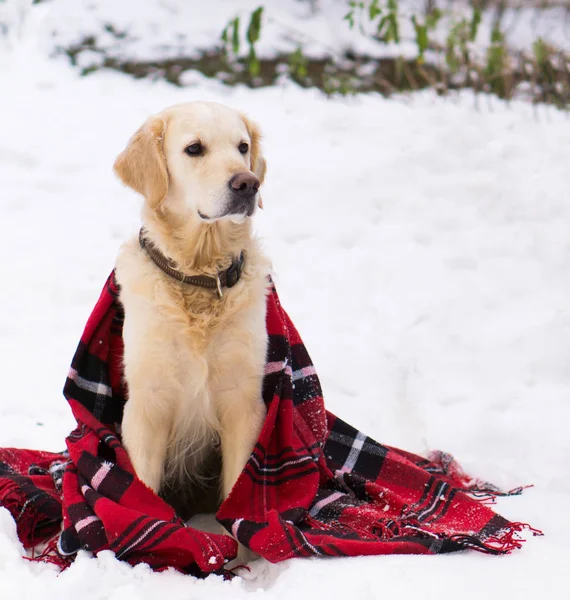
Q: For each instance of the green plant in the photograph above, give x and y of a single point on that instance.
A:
(232, 41)
(385, 18)
(298, 64)
(475, 22)
(542, 52)
(253, 34)
(460, 35)
(388, 27)
(422, 30)
(358, 8)
(497, 59)
(350, 15)
(374, 10)
(230, 34)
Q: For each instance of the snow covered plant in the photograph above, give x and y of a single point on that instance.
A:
(439, 44)
(514, 49)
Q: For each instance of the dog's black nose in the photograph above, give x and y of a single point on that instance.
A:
(244, 185)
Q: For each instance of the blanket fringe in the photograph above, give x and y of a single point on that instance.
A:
(503, 542)
(50, 555)
(443, 463)
(489, 495)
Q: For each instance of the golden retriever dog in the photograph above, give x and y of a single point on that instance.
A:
(194, 356)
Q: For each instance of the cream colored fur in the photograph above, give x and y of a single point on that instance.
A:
(193, 362)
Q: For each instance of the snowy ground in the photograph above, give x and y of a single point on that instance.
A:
(422, 249)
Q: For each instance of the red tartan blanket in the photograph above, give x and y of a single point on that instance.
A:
(314, 485)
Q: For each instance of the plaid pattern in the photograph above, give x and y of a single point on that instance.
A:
(313, 486)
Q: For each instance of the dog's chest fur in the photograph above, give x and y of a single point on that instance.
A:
(201, 353)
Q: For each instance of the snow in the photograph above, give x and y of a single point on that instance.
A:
(420, 245)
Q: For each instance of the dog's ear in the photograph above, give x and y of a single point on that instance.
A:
(142, 166)
(258, 164)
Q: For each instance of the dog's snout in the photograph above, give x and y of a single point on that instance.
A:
(245, 185)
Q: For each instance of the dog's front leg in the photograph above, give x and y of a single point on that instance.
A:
(152, 392)
(145, 437)
(241, 419)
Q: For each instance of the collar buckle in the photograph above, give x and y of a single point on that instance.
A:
(219, 287)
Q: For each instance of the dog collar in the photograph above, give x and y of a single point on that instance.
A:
(227, 278)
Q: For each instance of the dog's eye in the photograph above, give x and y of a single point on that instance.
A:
(195, 149)
(243, 147)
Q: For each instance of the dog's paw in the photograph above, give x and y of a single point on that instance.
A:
(243, 558)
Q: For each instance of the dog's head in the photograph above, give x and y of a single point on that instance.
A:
(198, 159)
